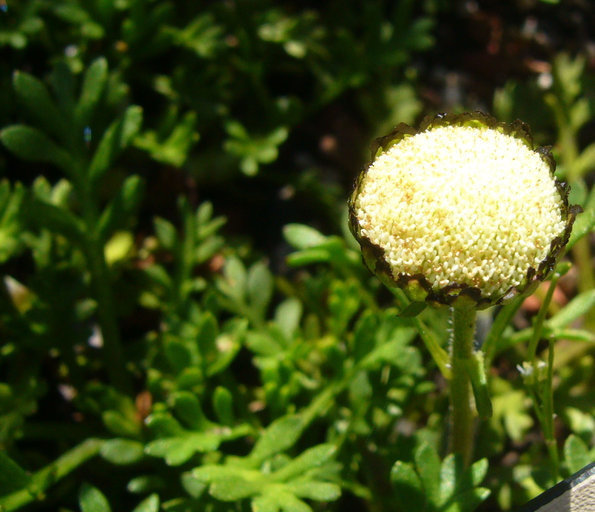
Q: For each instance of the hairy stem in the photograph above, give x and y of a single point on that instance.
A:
(461, 354)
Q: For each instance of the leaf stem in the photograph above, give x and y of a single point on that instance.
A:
(101, 284)
(48, 476)
(461, 354)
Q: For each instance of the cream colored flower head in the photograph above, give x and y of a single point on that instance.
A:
(465, 206)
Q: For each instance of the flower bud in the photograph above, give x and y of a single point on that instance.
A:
(463, 207)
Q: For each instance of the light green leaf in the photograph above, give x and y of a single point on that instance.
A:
(92, 499)
(576, 308)
(287, 316)
(166, 233)
(229, 483)
(585, 222)
(265, 503)
(467, 501)
(11, 206)
(150, 504)
(289, 503)
(234, 489)
(301, 236)
(173, 148)
(235, 281)
(408, 490)
(177, 450)
(260, 288)
(263, 344)
(317, 491)
(192, 485)
(310, 459)
(475, 368)
(122, 451)
(456, 480)
(279, 436)
(576, 453)
(585, 162)
(428, 466)
(223, 405)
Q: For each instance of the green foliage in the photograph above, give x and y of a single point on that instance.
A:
(170, 320)
(430, 484)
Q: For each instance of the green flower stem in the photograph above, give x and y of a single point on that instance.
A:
(538, 327)
(548, 414)
(101, 284)
(541, 390)
(463, 415)
(52, 473)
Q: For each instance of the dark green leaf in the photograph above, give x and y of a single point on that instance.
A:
(178, 356)
(188, 410)
(93, 85)
(117, 214)
(36, 99)
(57, 220)
(120, 425)
(413, 309)
(12, 476)
(33, 145)
(116, 138)
(63, 86)
(223, 405)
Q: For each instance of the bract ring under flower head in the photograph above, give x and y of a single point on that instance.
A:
(464, 206)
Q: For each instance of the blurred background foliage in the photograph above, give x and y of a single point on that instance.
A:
(185, 320)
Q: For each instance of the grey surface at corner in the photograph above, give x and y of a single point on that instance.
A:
(575, 494)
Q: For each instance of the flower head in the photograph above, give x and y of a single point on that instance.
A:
(464, 206)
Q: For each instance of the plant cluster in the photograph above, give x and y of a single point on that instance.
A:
(156, 357)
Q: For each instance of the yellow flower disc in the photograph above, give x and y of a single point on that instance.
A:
(461, 206)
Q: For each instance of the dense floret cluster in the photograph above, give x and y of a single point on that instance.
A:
(461, 206)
